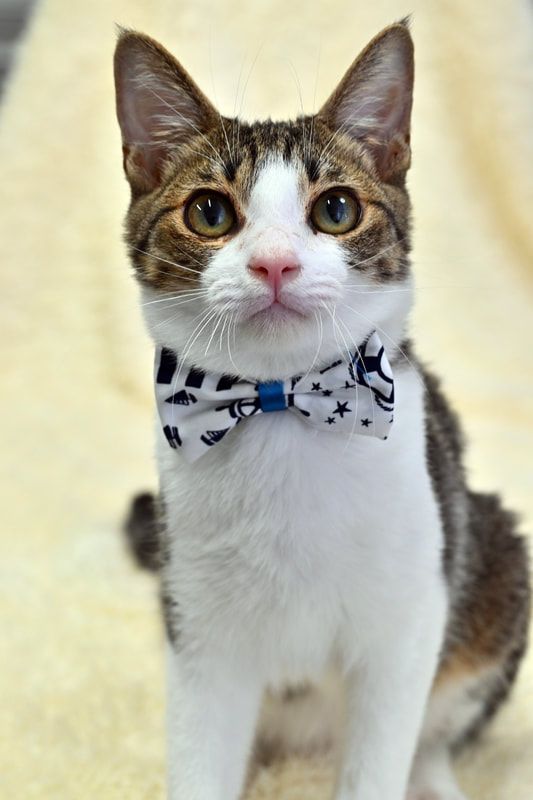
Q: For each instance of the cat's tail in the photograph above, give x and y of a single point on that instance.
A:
(143, 529)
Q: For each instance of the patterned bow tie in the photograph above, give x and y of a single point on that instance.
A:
(198, 409)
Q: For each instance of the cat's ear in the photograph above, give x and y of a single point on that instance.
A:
(159, 107)
(373, 101)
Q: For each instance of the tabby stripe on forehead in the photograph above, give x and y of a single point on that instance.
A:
(312, 167)
(230, 170)
(252, 149)
(390, 216)
(143, 244)
(287, 150)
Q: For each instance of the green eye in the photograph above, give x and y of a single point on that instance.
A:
(210, 214)
(336, 211)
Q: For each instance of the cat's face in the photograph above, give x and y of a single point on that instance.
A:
(263, 249)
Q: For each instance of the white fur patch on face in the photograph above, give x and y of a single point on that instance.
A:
(275, 201)
(276, 226)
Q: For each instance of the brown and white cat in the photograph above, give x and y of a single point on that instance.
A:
(291, 556)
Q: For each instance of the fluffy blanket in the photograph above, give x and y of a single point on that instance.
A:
(82, 670)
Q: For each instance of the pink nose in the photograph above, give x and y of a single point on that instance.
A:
(275, 271)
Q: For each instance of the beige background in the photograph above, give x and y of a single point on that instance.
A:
(81, 668)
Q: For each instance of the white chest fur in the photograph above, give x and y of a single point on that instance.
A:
(281, 536)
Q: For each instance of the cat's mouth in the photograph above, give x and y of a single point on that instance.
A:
(277, 311)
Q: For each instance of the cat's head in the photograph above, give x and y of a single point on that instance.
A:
(264, 248)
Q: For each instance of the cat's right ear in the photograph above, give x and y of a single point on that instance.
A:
(159, 108)
(372, 103)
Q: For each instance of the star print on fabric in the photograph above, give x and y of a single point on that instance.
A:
(330, 421)
(348, 385)
(316, 387)
(342, 409)
(365, 423)
(391, 420)
(326, 393)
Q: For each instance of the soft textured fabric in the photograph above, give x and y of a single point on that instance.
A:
(353, 395)
(81, 667)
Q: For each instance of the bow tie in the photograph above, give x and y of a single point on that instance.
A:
(354, 394)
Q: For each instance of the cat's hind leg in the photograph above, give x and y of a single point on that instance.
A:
(432, 776)
(486, 639)
(453, 707)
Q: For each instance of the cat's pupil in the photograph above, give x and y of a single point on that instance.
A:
(336, 207)
(213, 211)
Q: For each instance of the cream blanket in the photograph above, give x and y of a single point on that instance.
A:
(81, 715)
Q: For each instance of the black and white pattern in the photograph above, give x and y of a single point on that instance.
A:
(198, 409)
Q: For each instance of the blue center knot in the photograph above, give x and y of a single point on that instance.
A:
(271, 396)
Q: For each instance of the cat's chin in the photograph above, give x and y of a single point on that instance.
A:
(276, 314)
(277, 324)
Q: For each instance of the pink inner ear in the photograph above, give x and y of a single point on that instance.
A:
(158, 107)
(378, 109)
(139, 109)
(393, 107)
(373, 101)
(136, 107)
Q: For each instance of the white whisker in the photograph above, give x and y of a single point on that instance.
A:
(215, 327)
(205, 319)
(373, 402)
(349, 363)
(320, 332)
(232, 327)
(167, 261)
(191, 294)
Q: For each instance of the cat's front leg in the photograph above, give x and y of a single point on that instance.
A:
(387, 694)
(212, 708)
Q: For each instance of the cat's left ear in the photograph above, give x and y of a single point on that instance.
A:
(373, 101)
(159, 108)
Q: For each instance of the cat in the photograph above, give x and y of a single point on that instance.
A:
(303, 568)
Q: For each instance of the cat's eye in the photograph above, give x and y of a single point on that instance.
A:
(210, 214)
(336, 211)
